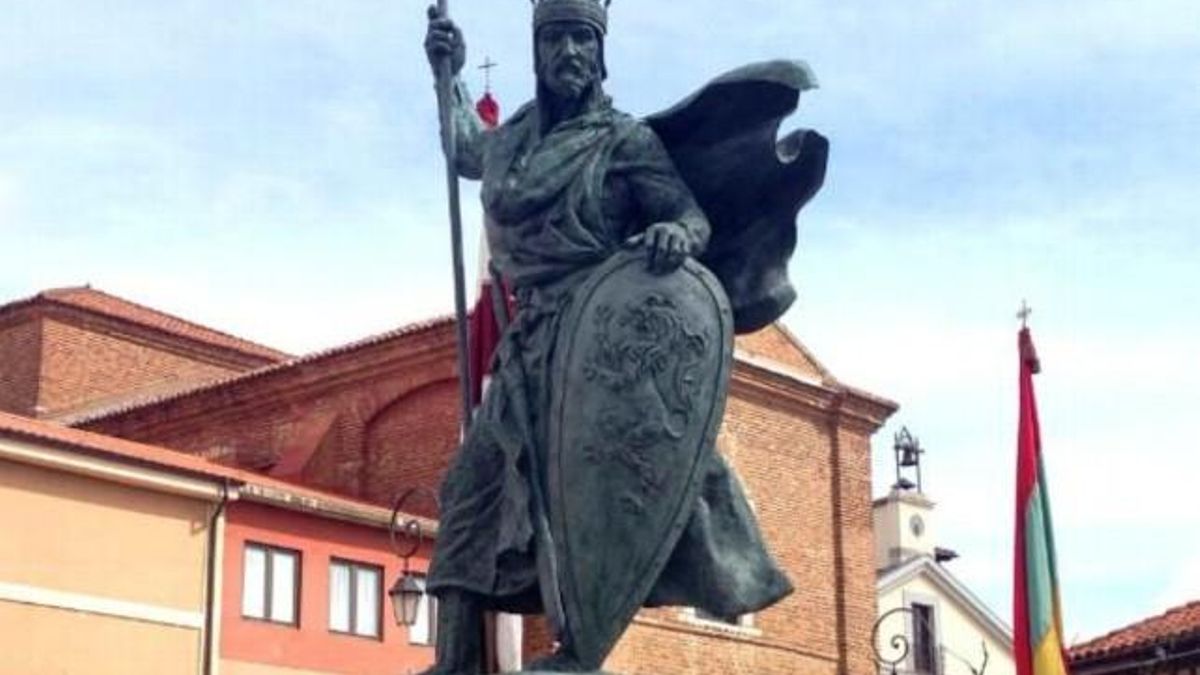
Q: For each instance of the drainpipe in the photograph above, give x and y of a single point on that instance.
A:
(210, 601)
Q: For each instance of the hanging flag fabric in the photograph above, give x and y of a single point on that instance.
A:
(489, 110)
(1037, 611)
(484, 328)
(484, 325)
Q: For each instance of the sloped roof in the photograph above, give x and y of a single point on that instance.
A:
(775, 343)
(199, 390)
(95, 301)
(926, 566)
(1177, 623)
(254, 486)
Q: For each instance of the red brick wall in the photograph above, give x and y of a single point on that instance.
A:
(20, 359)
(812, 498)
(367, 424)
(412, 442)
(783, 457)
(93, 365)
(857, 544)
(653, 647)
(375, 421)
(775, 344)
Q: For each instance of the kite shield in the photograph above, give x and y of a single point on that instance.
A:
(640, 372)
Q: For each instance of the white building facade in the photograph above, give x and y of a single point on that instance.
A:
(930, 623)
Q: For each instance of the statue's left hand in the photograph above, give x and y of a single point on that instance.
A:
(667, 245)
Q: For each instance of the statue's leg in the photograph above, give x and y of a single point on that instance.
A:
(459, 634)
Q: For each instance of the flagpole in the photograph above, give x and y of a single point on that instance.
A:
(1038, 647)
(450, 150)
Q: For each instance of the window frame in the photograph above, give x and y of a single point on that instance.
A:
(911, 601)
(354, 566)
(744, 626)
(269, 579)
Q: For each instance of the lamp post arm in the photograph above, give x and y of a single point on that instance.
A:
(974, 671)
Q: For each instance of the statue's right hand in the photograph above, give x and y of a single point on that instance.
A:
(444, 40)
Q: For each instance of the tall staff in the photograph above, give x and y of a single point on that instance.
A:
(445, 86)
(546, 555)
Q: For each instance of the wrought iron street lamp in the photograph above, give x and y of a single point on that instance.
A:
(407, 593)
(903, 643)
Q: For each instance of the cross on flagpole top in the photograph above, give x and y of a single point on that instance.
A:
(1024, 313)
(486, 67)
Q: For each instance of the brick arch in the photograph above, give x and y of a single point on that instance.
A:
(411, 442)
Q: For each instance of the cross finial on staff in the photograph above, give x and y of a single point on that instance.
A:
(1024, 314)
(486, 67)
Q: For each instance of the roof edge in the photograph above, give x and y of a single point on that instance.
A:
(135, 406)
(229, 343)
(86, 453)
(894, 578)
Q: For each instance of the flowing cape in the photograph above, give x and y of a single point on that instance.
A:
(724, 140)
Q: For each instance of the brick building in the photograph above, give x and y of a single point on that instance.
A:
(72, 349)
(369, 419)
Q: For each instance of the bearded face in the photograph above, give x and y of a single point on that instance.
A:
(568, 58)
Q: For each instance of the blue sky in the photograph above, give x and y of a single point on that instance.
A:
(270, 168)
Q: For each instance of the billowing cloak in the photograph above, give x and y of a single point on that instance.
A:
(724, 140)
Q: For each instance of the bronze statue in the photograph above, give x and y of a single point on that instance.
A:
(588, 485)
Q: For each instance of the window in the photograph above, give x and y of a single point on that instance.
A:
(270, 583)
(743, 623)
(924, 639)
(424, 631)
(713, 618)
(355, 598)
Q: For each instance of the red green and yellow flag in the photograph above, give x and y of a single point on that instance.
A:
(1037, 611)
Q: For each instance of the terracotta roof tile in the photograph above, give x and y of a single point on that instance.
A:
(99, 302)
(176, 461)
(127, 406)
(1177, 623)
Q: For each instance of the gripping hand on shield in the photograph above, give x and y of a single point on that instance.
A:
(667, 245)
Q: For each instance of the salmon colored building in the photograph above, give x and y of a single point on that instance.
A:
(102, 556)
(301, 577)
(318, 638)
(120, 557)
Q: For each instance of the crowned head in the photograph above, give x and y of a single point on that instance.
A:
(568, 38)
(591, 12)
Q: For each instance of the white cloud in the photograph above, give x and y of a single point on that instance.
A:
(9, 197)
(1183, 582)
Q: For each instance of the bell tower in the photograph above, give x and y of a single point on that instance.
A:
(903, 519)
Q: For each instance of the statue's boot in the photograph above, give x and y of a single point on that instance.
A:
(459, 648)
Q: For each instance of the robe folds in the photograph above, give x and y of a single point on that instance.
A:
(559, 203)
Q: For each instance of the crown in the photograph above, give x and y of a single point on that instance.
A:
(592, 12)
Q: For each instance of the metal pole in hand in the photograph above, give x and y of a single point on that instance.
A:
(450, 149)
